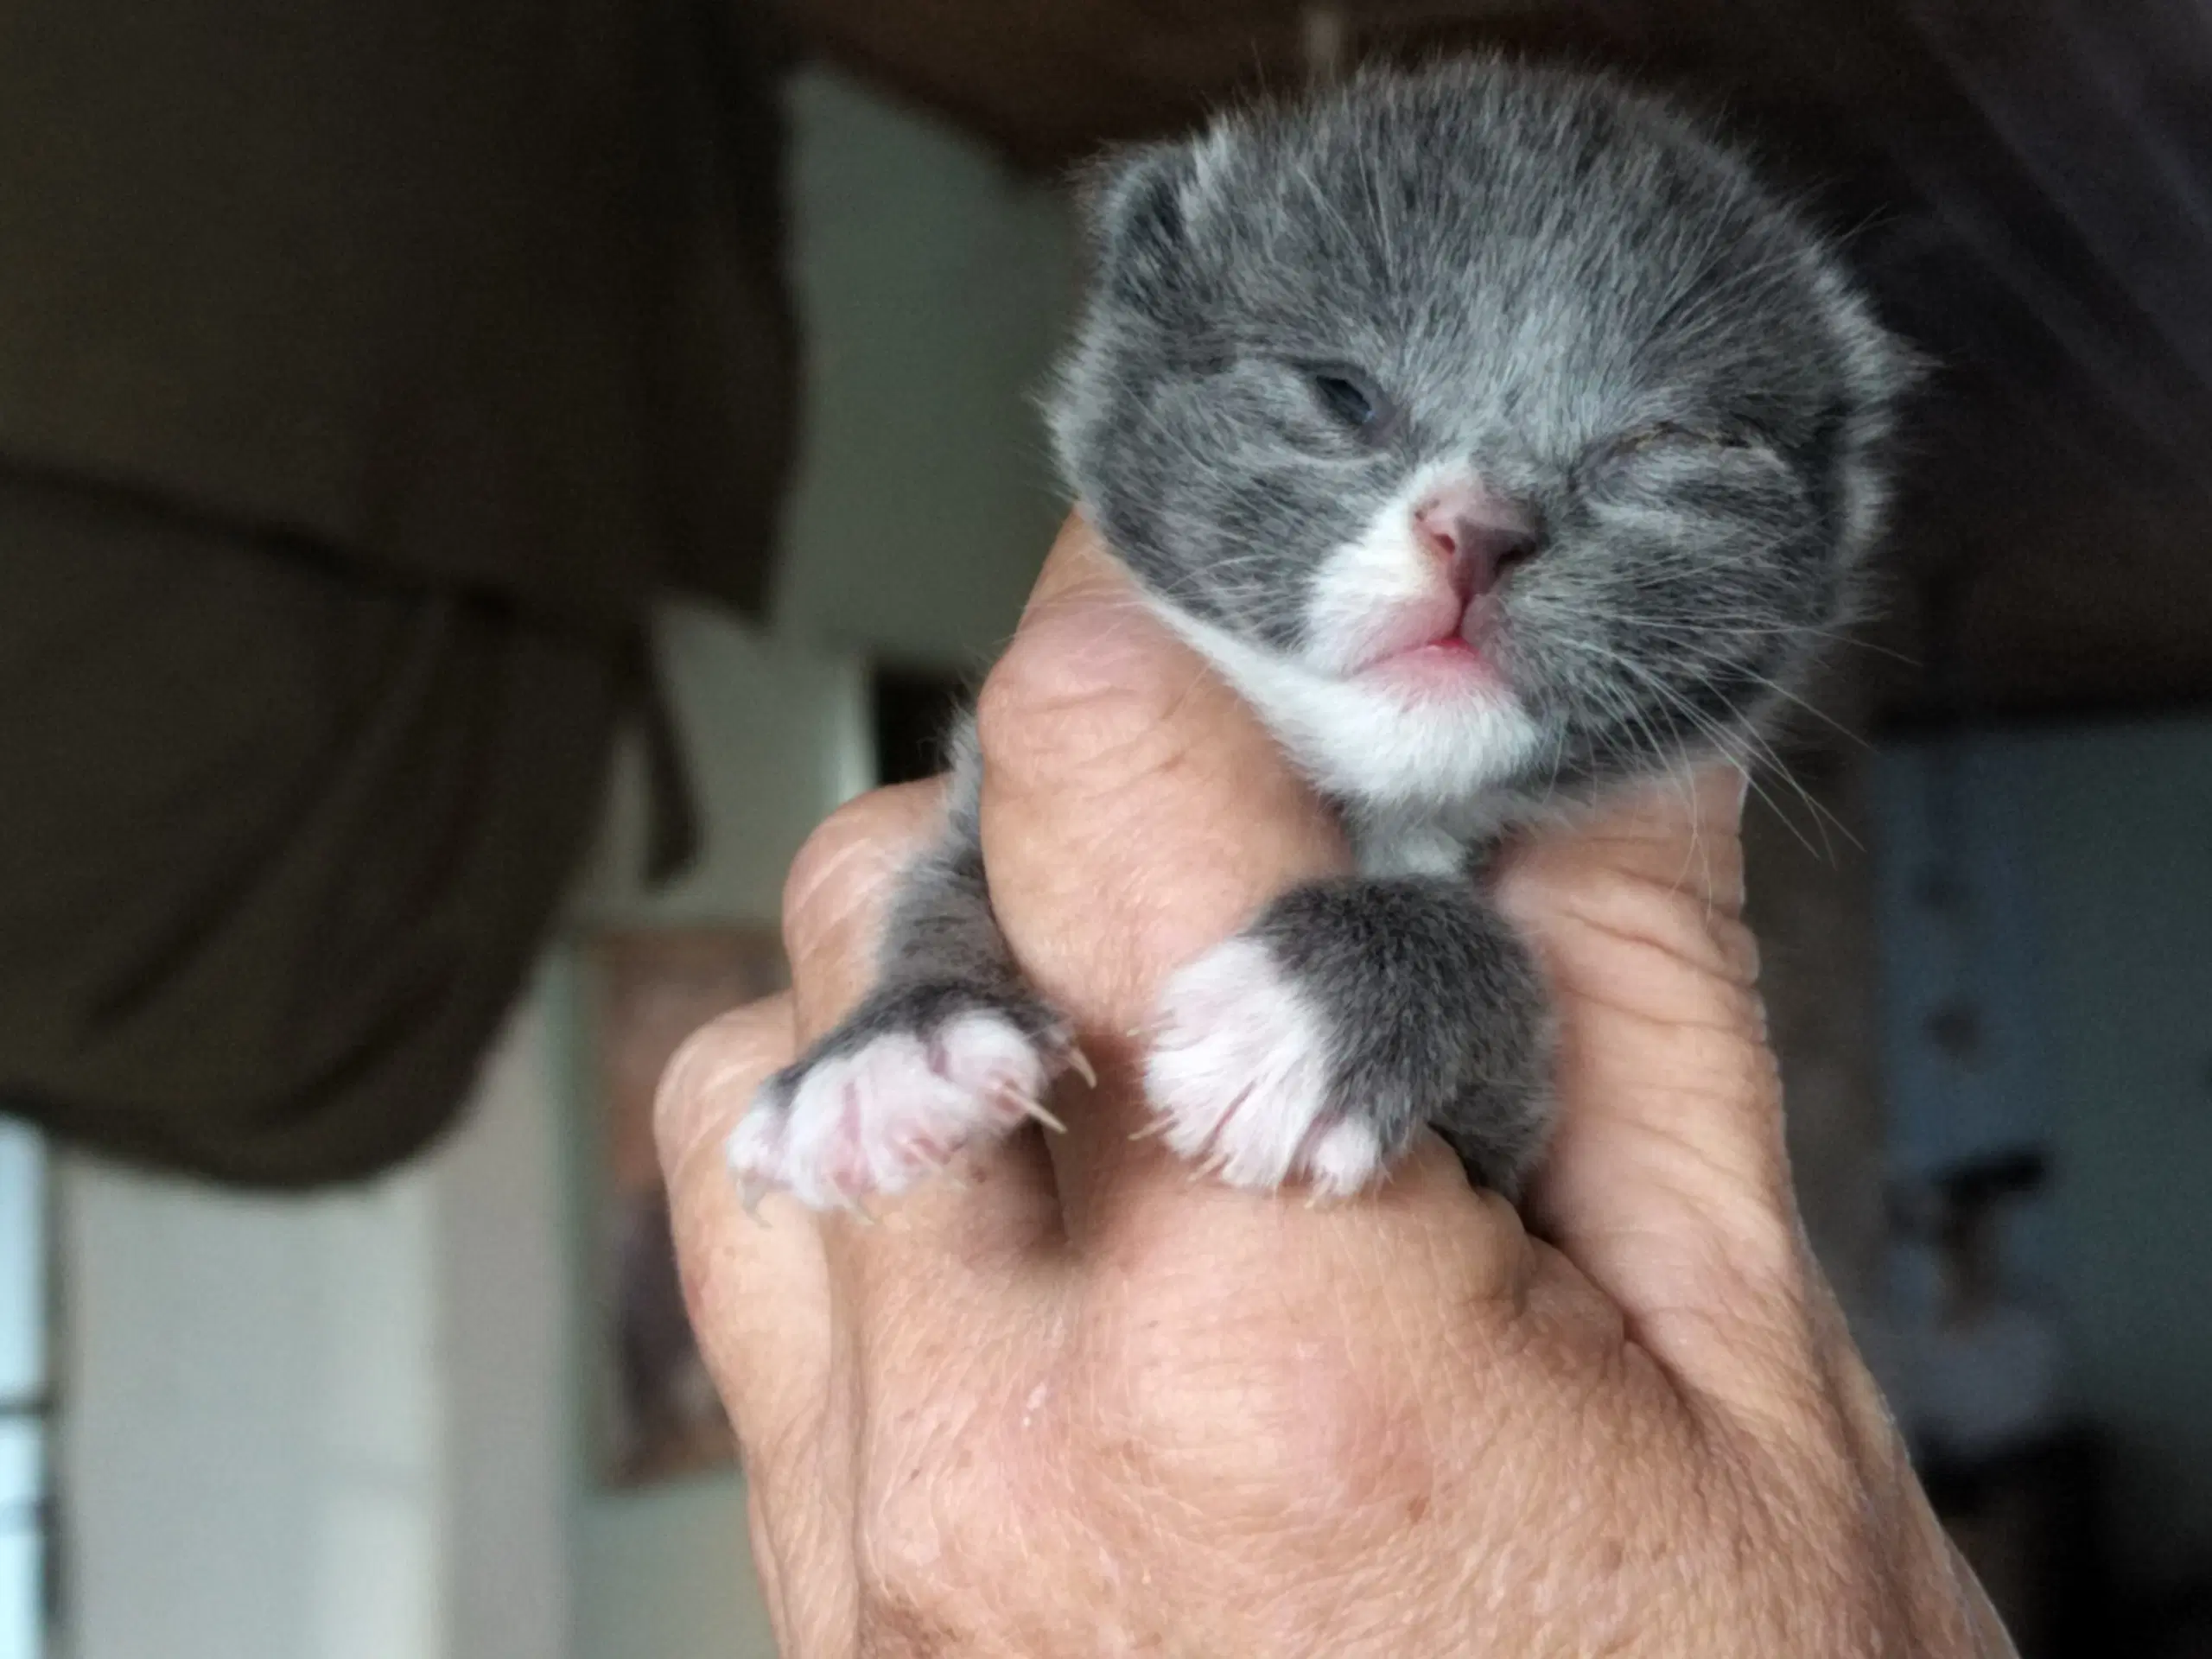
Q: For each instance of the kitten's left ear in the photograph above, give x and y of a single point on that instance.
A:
(1140, 206)
(1884, 368)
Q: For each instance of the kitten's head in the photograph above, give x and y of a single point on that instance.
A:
(1492, 427)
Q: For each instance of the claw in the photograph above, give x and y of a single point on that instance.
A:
(1036, 1111)
(1080, 1064)
(1029, 1108)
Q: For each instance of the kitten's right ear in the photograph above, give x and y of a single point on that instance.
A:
(1138, 204)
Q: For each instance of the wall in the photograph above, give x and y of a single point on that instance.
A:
(934, 287)
(505, 1335)
(252, 1439)
(332, 1427)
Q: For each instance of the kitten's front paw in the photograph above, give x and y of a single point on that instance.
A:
(890, 1098)
(1241, 1076)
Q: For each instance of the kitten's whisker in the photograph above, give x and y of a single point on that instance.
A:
(1727, 743)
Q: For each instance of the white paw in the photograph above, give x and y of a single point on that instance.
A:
(881, 1117)
(1239, 1076)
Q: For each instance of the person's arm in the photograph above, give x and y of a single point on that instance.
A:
(1069, 1400)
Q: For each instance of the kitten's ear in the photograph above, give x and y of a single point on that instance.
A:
(1884, 368)
(1138, 206)
(1888, 367)
(1881, 370)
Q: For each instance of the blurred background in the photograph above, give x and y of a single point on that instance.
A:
(480, 478)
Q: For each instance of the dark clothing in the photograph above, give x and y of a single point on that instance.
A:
(365, 369)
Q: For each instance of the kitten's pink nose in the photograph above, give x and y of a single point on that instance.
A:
(1476, 536)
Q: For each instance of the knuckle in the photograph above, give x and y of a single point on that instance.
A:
(845, 863)
(684, 1079)
(711, 1074)
(916, 1585)
(1287, 1435)
(826, 855)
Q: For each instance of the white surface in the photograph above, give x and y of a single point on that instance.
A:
(21, 1559)
(506, 1312)
(252, 1439)
(332, 1427)
(22, 1456)
(22, 1376)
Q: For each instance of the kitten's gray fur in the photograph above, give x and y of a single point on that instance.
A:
(1577, 292)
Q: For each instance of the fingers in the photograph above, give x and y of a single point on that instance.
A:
(838, 889)
(1667, 1180)
(995, 1202)
(1134, 813)
(758, 1296)
(1126, 788)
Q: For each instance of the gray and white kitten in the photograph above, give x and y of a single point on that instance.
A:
(1502, 441)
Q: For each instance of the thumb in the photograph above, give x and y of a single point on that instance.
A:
(1667, 1181)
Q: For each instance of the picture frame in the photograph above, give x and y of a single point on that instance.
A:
(646, 990)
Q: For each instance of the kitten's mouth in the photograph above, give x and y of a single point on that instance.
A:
(1428, 651)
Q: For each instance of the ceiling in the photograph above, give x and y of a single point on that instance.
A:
(2028, 186)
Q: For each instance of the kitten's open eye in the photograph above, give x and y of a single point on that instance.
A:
(1352, 399)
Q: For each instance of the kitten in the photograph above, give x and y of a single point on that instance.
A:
(1501, 440)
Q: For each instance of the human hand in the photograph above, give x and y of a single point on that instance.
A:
(1068, 1400)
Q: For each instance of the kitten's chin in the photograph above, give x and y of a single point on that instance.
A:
(1427, 732)
(1427, 729)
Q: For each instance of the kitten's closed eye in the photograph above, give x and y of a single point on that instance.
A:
(1661, 433)
(1352, 400)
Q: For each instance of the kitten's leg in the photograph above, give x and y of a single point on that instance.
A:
(947, 1049)
(1316, 1042)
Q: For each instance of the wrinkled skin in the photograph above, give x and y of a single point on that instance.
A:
(1068, 1401)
